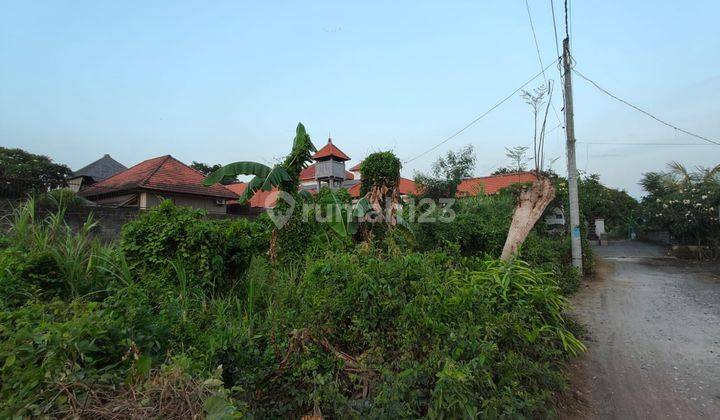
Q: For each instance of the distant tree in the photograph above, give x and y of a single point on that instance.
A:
(206, 170)
(503, 171)
(517, 156)
(447, 172)
(30, 171)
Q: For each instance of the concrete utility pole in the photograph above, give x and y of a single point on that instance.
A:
(575, 242)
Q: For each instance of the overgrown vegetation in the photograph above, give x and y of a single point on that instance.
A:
(187, 316)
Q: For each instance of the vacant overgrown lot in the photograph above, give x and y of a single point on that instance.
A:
(186, 316)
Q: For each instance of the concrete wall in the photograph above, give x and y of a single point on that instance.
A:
(149, 200)
(110, 220)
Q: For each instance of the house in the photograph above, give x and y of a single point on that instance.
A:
(493, 183)
(148, 183)
(328, 170)
(101, 169)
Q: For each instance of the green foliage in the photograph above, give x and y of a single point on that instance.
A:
(684, 203)
(218, 252)
(265, 177)
(39, 172)
(286, 177)
(206, 170)
(61, 198)
(380, 168)
(447, 172)
(598, 201)
(298, 159)
(187, 317)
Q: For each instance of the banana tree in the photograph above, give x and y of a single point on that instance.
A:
(283, 176)
(346, 225)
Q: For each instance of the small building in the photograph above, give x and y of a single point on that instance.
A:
(100, 170)
(328, 170)
(148, 183)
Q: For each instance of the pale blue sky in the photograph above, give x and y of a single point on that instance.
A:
(225, 81)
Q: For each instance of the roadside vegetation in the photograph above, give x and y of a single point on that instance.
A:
(684, 203)
(188, 316)
(376, 317)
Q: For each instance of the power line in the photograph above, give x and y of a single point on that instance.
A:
(537, 49)
(716, 142)
(610, 143)
(481, 116)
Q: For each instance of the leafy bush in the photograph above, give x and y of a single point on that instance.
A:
(685, 204)
(217, 252)
(370, 330)
(380, 168)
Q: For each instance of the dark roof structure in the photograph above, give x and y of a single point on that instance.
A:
(162, 174)
(101, 169)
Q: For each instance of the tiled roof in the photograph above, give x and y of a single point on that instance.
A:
(356, 167)
(164, 173)
(330, 150)
(407, 186)
(264, 199)
(492, 184)
(308, 174)
(471, 186)
(103, 168)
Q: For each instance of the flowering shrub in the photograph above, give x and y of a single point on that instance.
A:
(687, 208)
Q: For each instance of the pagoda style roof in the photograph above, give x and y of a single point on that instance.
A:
(330, 150)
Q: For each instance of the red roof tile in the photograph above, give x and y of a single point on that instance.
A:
(471, 186)
(356, 167)
(330, 150)
(264, 199)
(407, 186)
(164, 173)
(492, 184)
(308, 174)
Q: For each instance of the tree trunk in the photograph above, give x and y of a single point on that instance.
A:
(530, 207)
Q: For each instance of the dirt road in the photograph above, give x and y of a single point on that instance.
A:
(654, 326)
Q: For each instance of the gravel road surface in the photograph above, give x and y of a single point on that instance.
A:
(654, 337)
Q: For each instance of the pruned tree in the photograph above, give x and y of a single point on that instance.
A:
(380, 188)
(533, 200)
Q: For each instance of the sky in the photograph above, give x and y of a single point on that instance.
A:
(224, 81)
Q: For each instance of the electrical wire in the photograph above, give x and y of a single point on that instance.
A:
(605, 91)
(481, 116)
(537, 49)
(610, 143)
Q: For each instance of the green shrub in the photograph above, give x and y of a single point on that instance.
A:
(370, 330)
(380, 168)
(217, 252)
